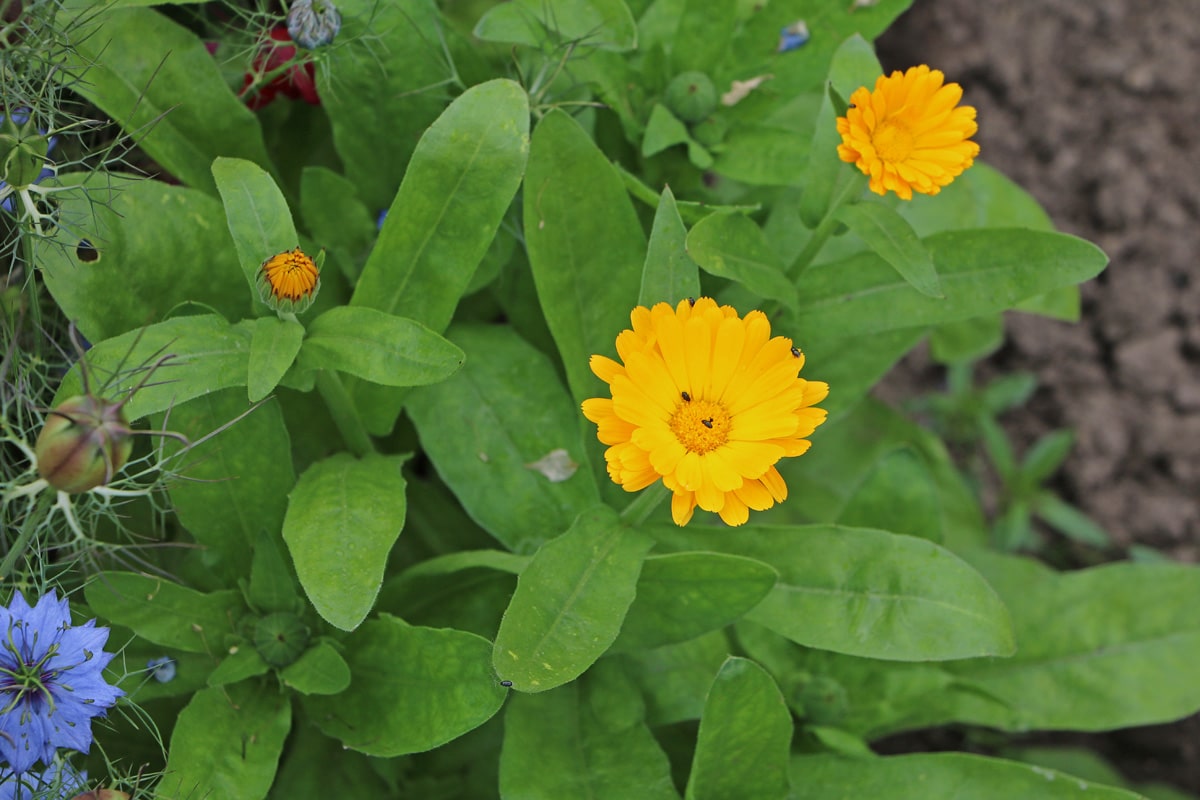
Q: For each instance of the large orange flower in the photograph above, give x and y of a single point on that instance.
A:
(909, 134)
(708, 402)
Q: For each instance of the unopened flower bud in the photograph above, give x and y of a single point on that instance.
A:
(83, 444)
(23, 153)
(289, 281)
(313, 23)
(280, 638)
(691, 96)
(102, 794)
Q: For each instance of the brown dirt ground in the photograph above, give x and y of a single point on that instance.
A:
(1092, 106)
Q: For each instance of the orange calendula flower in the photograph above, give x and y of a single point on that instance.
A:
(289, 281)
(909, 134)
(707, 401)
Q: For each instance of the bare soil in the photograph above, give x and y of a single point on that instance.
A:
(1093, 107)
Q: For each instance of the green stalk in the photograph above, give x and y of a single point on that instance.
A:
(36, 513)
(825, 228)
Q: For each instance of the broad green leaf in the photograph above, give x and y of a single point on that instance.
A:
(484, 436)
(272, 588)
(1099, 648)
(854, 364)
(669, 274)
(382, 90)
(378, 347)
(320, 670)
(585, 244)
(732, 246)
(237, 667)
(705, 30)
(227, 744)
(745, 735)
(684, 595)
(570, 602)
(891, 237)
(157, 79)
(413, 689)
(342, 519)
(463, 176)
(334, 215)
(235, 484)
(676, 678)
(567, 743)
(864, 592)
(663, 130)
(149, 248)
(256, 212)
(981, 271)
(967, 340)
(166, 613)
(273, 347)
(467, 590)
(606, 24)
(316, 767)
(924, 775)
(982, 197)
(763, 156)
(207, 354)
(898, 492)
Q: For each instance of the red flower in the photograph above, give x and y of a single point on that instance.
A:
(298, 82)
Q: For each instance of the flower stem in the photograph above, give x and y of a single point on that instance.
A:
(344, 414)
(825, 227)
(35, 514)
(644, 504)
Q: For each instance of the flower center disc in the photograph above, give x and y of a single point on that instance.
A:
(700, 425)
(893, 142)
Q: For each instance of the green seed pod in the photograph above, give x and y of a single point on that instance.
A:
(23, 152)
(691, 96)
(83, 444)
(824, 700)
(711, 132)
(280, 638)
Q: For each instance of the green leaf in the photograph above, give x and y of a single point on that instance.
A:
(461, 181)
(485, 438)
(321, 670)
(684, 595)
(567, 743)
(256, 212)
(342, 519)
(732, 246)
(585, 244)
(898, 492)
(157, 79)
(413, 689)
(663, 130)
(153, 247)
(669, 274)
(570, 602)
(1047, 455)
(981, 271)
(227, 744)
(763, 156)
(605, 24)
(333, 213)
(925, 775)
(238, 481)
(1069, 521)
(853, 365)
(273, 347)
(316, 767)
(378, 347)
(745, 735)
(237, 667)
(1107, 654)
(967, 340)
(207, 354)
(706, 28)
(864, 592)
(272, 587)
(676, 678)
(467, 590)
(891, 237)
(165, 613)
(380, 90)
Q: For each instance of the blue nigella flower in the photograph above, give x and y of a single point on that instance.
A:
(51, 782)
(313, 23)
(379, 219)
(162, 669)
(51, 681)
(792, 37)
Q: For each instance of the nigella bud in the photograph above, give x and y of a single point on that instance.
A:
(313, 23)
(23, 151)
(83, 444)
(102, 794)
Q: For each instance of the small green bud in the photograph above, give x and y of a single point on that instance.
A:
(84, 443)
(691, 96)
(23, 153)
(711, 132)
(280, 638)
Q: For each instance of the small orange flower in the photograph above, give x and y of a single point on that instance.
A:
(708, 402)
(289, 281)
(909, 134)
